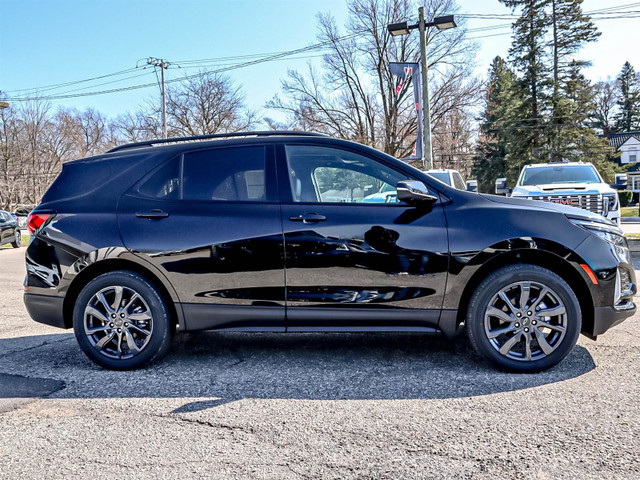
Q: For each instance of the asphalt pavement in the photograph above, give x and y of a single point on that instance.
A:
(382, 406)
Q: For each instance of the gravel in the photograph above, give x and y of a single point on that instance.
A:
(310, 406)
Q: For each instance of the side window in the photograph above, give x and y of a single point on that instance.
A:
(165, 183)
(225, 174)
(331, 175)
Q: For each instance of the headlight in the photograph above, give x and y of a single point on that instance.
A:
(611, 201)
(607, 231)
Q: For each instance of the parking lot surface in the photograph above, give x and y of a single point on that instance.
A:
(310, 406)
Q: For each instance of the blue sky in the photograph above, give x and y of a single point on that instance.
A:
(56, 41)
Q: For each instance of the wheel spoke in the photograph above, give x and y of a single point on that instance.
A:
(131, 343)
(93, 331)
(141, 330)
(140, 317)
(118, 299)
(509, 344)
(506, 300)
(558, 328)
(500, 331)
(542, 341)
(502, 315)
(527, 346)
(133, 298)
(104, 302)
(104, 340)
(96, 313)
(525, 293)
(120, 346)
(551, 312)
(543, 293)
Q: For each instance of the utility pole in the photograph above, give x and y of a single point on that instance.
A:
(427, 151)
(159, 62)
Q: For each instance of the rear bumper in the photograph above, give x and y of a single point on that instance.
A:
(46, 309)
(606, 317)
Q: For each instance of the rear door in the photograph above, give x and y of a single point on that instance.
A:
(356, 258)
(210, 221)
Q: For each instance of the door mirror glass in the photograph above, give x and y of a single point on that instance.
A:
(414, 192)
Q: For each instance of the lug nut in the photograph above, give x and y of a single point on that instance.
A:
(126, 324)
(122, 315)
(533, 322)
(111, 324)
(517, 325)
(119, 330)
(518, 314)
(526, 329)
(113, 315)
(529, 313)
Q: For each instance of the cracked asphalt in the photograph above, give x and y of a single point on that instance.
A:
(271, 406)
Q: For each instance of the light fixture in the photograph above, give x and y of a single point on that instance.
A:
(401, 28)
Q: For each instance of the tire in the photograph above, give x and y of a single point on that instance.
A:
(523, 339)
(136, 332)
(17, 242)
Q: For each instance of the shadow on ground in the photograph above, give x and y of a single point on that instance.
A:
(224, 367)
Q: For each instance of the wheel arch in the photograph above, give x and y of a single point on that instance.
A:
(565, 266)
(96, 269)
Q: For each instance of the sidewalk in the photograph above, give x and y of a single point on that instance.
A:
(630, 224)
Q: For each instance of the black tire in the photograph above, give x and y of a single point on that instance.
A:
(492, 324)
(17, 242)
(129, 324)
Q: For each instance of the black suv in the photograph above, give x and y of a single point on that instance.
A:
(9, 230)
(296, 232)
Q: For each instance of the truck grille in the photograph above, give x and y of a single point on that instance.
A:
(593, 202)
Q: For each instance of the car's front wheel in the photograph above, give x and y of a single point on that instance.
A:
(523, 318)
(121, 321)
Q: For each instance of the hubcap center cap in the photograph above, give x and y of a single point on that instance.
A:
(119, 323)
(525, 321)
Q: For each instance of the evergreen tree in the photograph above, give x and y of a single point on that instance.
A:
(628, 118)
(503, 99)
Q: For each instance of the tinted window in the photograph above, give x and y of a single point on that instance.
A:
(165, 183)
(560, 174)
(331, 175)
(225, 174)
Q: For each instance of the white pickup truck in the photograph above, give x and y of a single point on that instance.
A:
(574, 184)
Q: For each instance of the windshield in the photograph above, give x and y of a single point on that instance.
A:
(442, 176)
(560, 174)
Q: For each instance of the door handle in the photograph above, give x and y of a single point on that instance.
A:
(308, 218)
(155, 213)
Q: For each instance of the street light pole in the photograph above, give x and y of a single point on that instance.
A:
(427, 151)
(403, 28)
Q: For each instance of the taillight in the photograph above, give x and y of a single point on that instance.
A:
(36, 220)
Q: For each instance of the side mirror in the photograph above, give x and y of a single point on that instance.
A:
(472, 185)
(501, 187)
(414, 192)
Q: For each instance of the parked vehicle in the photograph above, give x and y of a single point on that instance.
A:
(233, 233)
(9, 230)
(574, 184)
(448, 176)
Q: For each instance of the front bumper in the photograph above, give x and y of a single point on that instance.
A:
(605, 318)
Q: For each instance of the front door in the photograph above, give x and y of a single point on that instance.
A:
(356, 258)
(210, 221)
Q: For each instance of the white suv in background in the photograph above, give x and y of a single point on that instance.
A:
(574, 184)
(448, 176)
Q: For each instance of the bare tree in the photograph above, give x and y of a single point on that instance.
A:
(353, 94)
(604, 101)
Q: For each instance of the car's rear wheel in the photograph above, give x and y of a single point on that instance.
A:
(121, 321)
(523, 318)
(17, 241)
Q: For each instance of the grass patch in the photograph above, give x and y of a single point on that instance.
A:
(632, 236)
(629, 211)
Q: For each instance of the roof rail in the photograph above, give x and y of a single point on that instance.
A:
(266, 133)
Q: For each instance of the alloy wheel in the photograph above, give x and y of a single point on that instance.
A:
(118, 322)
(525, 321)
